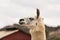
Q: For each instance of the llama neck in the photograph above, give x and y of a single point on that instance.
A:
(37, 35)
(38, 31)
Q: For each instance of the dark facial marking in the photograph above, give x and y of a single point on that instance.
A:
(36, 23)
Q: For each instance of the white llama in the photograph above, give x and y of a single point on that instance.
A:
(36, 26)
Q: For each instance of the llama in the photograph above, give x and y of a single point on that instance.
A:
(36, 26)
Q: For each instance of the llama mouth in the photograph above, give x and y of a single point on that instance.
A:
(21, 23)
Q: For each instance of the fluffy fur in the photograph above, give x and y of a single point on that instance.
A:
(36, 26)
(37, 30)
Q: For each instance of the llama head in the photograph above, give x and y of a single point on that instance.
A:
(29, 20)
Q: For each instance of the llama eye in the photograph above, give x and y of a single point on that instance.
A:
(31, 19)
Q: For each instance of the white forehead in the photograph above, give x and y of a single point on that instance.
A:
(26, 19)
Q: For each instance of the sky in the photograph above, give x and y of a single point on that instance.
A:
(13, 10)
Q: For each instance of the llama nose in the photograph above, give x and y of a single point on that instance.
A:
(21, 19)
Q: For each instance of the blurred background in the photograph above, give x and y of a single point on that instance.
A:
(12, 10)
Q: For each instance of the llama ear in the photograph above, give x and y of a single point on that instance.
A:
(38, 13)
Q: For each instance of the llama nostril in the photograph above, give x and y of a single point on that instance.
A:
(21, 19)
